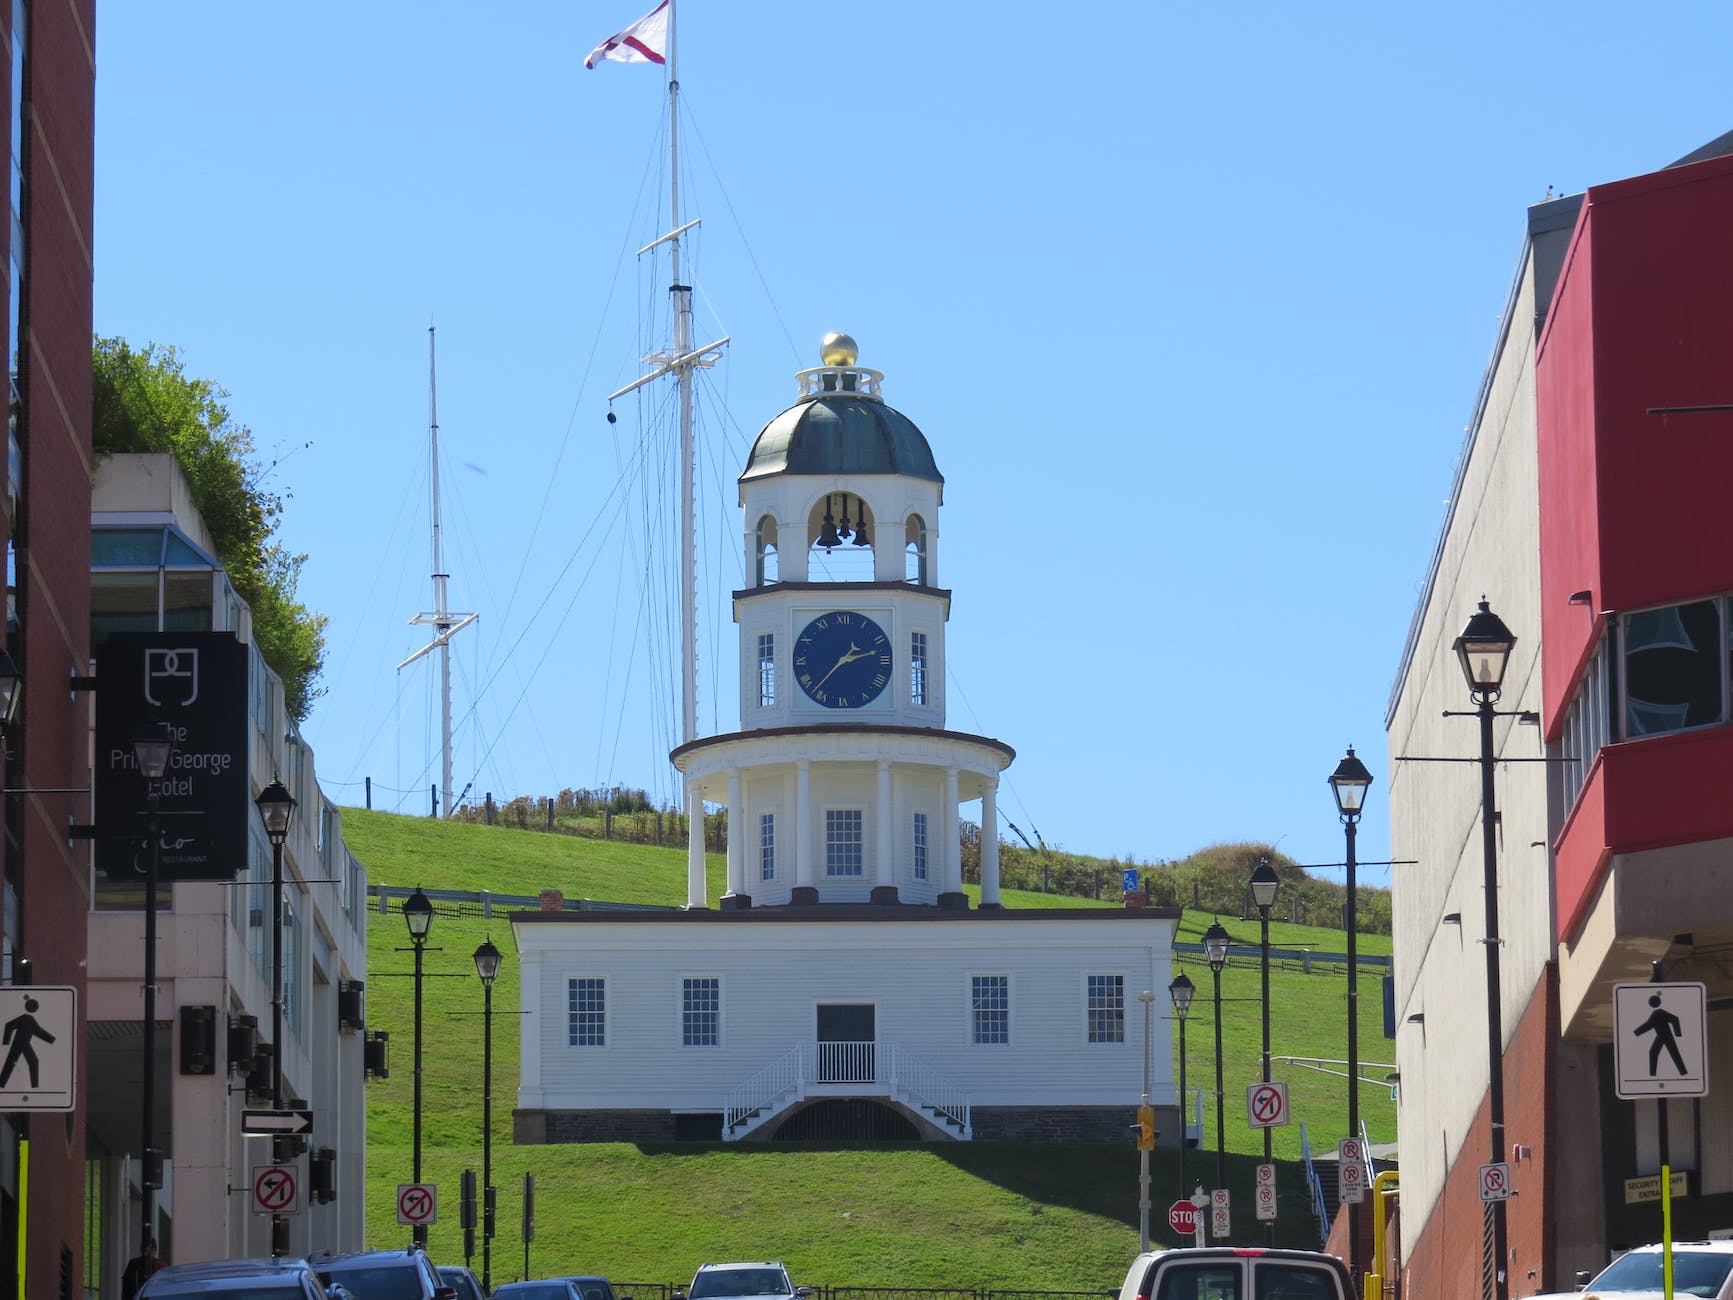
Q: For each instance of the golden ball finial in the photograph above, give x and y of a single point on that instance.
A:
(838, 350)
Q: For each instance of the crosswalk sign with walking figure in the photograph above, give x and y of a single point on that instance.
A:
(38, 1040)
(1660, 1040)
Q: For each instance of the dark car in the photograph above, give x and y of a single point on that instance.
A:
(456, 1275)
(239, 1279)
(386, 1275)
(591, 1286)
(546, 1289)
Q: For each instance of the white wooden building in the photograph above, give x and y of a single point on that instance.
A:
(842, 986)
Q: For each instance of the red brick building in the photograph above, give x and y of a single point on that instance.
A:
(44, 875)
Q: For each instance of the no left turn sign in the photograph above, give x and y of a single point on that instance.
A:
(276, 1189)
(1267, 1105)
(417, 1203)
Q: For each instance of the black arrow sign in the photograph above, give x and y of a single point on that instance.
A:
(262, 1123)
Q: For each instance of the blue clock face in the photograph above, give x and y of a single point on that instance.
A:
(842, 660)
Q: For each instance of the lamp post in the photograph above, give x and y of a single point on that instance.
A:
(1181, 991)
(1265, 885)
(276, 809)
(1348, 783)
(487, 959)
(1215, 945)
(152, 745)
(418, 916)
(1484, 652)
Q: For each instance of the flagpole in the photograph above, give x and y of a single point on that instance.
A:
(682, 295)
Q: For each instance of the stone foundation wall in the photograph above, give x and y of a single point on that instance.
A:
(1069, 1124)
(1060, 1124)
(539, 1127)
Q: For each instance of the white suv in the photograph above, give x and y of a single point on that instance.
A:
(1700, 1268)
(764, 1281)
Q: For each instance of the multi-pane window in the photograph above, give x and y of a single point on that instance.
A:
(586, 1012)
(920, 846)
(842, 842)
(767, 846)
(1588, 726)
(1675, 671)
(766, 669)
(1106, 1008)
(701, 1011)
(990, 1008)
(917, 667)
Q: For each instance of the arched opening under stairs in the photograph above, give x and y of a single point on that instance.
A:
(915, 551)
(766, 569)
(847, 1119)
(840, 530)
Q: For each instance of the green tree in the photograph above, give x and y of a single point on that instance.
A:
(143, 400)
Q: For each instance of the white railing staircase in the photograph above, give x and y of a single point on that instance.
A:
(846, 1070)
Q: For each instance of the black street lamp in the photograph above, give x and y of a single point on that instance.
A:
(1484, 651)
(487, 959)
(277, 809)
(1215, 945)
(418, 916)
(1349, 783)
(1265, 885)
(1181, 990)
(152, 744)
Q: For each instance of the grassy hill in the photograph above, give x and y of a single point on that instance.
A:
(960, 1214)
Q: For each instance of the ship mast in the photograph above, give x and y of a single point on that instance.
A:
(680, 360)
(442, 620)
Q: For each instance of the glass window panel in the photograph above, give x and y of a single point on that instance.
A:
(1673, 668)
(126, 548)
(767, 846)
(701, 1012)
(186, 602)
(990, 1004)
(842, 842)
(122, 602)
(1107, 1008)
(586, 1012)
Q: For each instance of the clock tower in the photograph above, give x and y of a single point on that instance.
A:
(843, 783)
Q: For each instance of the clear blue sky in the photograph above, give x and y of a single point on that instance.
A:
(1191, 301)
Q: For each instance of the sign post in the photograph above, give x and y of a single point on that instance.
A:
(276, 1189)
(1350, 1171)
(1267, 1105)
(1182, 1218)
(40, 1067)
(1266, 1192)
(1660, 1040)
(417, 1204)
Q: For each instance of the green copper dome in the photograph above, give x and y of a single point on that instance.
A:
(841, 433)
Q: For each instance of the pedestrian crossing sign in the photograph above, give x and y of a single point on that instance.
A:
(38, 1047)
(1660, 1040)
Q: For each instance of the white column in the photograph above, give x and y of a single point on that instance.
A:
(530, 1090)
(883, 832)
(694, 844)
(803, 822)
(736, 835)
(953, 848)
(990, 842)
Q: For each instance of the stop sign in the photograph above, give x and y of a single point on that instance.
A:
(1182, 1218)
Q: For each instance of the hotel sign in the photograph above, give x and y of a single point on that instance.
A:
(196, 682)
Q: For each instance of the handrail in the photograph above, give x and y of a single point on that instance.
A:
(1314, 1185)
(928, 1088)
(783, 1077)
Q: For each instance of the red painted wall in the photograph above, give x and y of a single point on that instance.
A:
(1633, 505)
